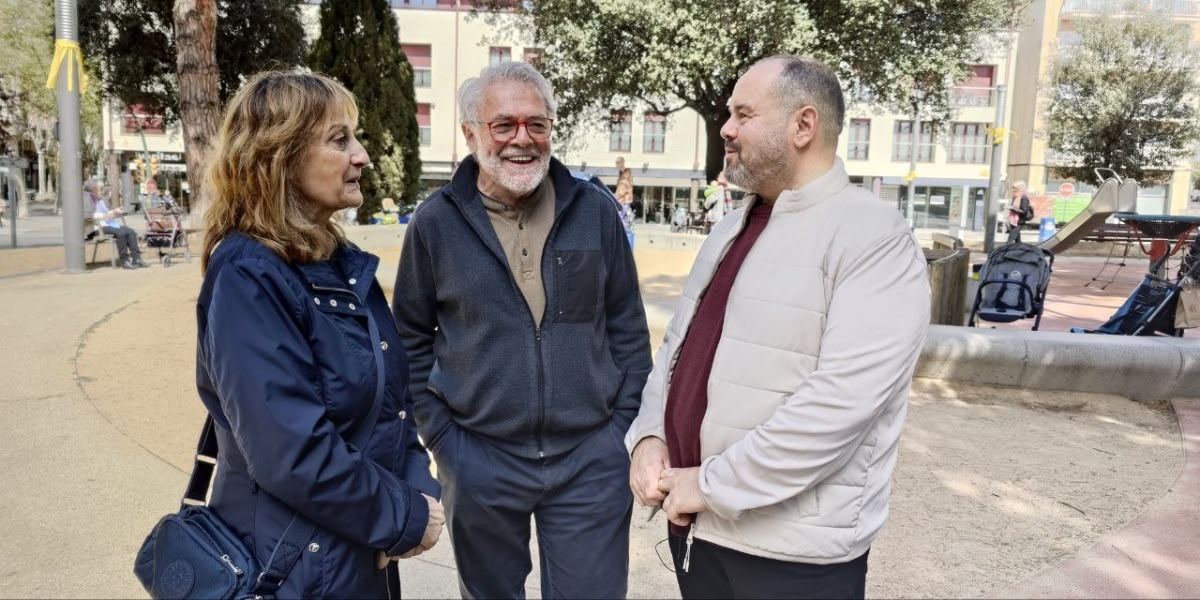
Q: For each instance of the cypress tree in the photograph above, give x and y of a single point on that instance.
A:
(360, 47)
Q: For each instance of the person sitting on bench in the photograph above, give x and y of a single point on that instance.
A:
(124, 236)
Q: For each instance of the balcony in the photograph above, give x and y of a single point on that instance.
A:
(1170, 8)
(972, 97)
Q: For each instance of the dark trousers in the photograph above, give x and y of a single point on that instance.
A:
(580, 502)
(126, 240)
(1014, 233)
(718, 572)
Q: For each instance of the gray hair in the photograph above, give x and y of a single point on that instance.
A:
(809, 82)
(470, 95)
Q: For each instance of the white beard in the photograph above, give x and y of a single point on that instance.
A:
(519, 183)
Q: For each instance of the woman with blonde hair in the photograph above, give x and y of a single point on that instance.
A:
(298, 361)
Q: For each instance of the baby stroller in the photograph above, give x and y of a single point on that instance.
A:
(1150, 310)
(165, 232)
(1013, 285)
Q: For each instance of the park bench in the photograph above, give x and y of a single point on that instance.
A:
(94, 235)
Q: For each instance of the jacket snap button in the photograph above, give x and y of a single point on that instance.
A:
(317, 300)
(403, 415)
(383, 346)
(333, 303)
(353, 281)
(314, 547)
(524, 252)
(352, 307)
(560, 261)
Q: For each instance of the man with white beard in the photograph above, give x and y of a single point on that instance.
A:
(517, 299)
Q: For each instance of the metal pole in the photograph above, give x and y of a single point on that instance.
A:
(70, 185)
(14, 175)
(912, 170)
(994, 192)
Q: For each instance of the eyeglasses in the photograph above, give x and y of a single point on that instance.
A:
(505, 130)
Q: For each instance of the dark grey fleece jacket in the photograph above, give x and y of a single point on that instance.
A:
(477, 359)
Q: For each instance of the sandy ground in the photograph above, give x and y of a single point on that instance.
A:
(993, 484)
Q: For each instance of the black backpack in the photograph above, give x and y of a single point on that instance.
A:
(1026, 209)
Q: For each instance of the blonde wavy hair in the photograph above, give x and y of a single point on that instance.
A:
(252, 178)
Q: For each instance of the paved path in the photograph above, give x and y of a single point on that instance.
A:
(1155, 556)
(89, 461)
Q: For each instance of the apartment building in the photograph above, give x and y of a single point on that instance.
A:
(952, 158)
(446, 44)
(1048, 26)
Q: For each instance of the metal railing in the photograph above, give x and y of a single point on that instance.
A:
(973, 96)
(1172, 8)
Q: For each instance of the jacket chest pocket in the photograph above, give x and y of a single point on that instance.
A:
(577, 288)
(343, 353)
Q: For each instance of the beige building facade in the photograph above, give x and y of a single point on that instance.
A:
(447, 44)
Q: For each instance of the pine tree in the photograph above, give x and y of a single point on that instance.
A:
(360, 47)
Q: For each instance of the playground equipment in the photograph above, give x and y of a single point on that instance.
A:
(1115, 195)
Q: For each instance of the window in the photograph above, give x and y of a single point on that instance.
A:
(620, 131)
(902, 141)
(137, 119)
(419, 56)
(976, 89)
(499, 54)
(968, 143)
(860, 139)
(654, 132)
(423, 126)
(414, 3)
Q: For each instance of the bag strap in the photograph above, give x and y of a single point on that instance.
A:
(299, 530)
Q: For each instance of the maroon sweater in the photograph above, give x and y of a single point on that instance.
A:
(687, 398)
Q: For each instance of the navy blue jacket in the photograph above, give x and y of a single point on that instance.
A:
(476, 357)
(287, 370)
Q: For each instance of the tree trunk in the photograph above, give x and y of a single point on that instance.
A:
(114, 180)
(196, 64)
(41, 171)
(714, 149)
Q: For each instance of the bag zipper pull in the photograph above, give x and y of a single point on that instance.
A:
(687, 554)
(229, 561)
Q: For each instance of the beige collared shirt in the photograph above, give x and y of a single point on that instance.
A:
(523, 231)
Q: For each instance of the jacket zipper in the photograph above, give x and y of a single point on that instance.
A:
(687, 553)
(541, 420)
(366, 309)
(537, 331)
(675, 355)
(537, 337)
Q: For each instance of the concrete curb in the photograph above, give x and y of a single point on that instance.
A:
(1139, 368)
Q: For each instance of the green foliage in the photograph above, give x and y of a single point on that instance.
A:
(131, 45)
(26, 52)
(360, 47)
(1122, 98)
(670, 54)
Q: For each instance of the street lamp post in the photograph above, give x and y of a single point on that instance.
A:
(994, 192)
(67, 75)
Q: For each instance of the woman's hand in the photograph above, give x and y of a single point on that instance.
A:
(433, 532)
(433, 527)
